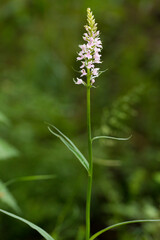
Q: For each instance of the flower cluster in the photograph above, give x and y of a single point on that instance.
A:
(90, 52)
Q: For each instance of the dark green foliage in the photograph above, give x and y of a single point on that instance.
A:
(38, 45)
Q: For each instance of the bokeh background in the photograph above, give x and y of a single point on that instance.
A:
(38, 48)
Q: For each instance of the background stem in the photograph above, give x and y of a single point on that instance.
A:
(89, 188)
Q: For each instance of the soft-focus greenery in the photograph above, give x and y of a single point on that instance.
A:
(38, 44)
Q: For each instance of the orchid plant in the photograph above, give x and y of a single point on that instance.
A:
(89, 56)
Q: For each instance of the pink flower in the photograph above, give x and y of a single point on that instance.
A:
(85, 38)
(83, 64)
(90, 65)
(98, 43)
(88, 55)
(97, 61)
(80, 53)
(83, 47)
(97, 56)
(86, 35)
(95, 71)
(90, 44)
(80, 58)
(83, 72)
(97, 50)
(79, 81)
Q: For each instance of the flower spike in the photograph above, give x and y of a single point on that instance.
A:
(90, 51)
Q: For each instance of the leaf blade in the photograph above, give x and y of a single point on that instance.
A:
(42, 232)
(29, 178)
(71, 146)
(120, 224)
(111, 138)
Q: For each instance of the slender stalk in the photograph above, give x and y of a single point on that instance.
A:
(89, 188)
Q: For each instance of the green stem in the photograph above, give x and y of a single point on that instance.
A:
(89, 188)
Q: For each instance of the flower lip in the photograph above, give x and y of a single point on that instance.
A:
(79, 81)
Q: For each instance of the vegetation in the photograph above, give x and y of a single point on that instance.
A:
(38, 45)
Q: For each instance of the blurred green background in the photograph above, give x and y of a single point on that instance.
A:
(38, 47)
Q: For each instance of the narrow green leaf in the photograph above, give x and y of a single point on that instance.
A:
(111, 138)
(120, 224)
(71, 146)
(65, 138)
(7, 198)
(32, 225)
(30, 178)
